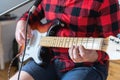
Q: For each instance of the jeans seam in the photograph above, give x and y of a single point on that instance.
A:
(100, 73)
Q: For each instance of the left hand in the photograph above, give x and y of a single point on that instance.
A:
(80, 54)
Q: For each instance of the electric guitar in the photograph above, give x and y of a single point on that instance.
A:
(45, 37)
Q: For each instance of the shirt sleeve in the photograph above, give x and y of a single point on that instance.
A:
(34, 17)
(108, 22)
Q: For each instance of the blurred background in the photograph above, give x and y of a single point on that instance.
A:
(9, 21)
(10, 4)
(8, 45)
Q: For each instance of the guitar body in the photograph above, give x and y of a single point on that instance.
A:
(33, 49)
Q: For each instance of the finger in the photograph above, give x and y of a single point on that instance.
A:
(20, 40)
(76, 55)
(71, 52)
(29, 34)
(82, 51)
(22, 34)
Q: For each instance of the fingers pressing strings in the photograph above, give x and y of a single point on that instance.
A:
(74, 54)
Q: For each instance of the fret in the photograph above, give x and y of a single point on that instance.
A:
(57, 41)
(54, 42)
(71, 42)
(50, 42)
(79, 41)
(64, 41)
(86, 45)
(90, 43)
(74, 41)
(84, 42)
(97, 43)
(67, 42)
(60, 42)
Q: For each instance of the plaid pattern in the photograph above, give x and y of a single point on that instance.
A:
(85, 18)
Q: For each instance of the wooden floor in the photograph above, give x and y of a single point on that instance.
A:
(114, 71)
(4, 73)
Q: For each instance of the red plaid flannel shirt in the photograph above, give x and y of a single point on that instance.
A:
(86, 18)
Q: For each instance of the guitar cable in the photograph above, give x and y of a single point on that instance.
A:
(17, 56)
(25, 46)
(10, 65)
(31, 10)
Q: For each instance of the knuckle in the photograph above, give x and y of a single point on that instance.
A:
(76, 57)
(84, 55)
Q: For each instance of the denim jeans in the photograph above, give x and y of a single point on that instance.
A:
(84, 73)
(80, 73)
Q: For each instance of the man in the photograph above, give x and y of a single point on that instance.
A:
(84, 18)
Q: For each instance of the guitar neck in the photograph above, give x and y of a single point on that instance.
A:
(66, 42)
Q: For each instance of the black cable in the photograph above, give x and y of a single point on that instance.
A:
(31, 10)
(26, 26)
(17, 56)
(9, 68)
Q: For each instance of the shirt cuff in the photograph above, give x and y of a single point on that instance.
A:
(102, 56)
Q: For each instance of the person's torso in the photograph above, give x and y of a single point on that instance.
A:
(80, 15)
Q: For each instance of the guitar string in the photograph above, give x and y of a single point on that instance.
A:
(64, 41)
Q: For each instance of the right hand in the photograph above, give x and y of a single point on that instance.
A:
(21, 31)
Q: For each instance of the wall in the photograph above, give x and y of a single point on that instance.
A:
(8, 31)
